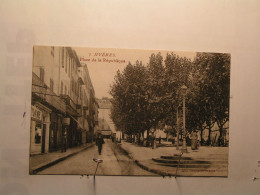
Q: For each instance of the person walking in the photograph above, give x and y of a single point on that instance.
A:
(99, 143)
(194, 140)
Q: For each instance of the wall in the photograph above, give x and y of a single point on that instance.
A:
(215, 26)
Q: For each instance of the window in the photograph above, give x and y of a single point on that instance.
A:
(70, 67)
(38, 133)
(61, 88)
(52, 51)
(71, 85)
(76, 88)
(79, 94)
(51, 84)
(62, 57)
(66, 62)
(42, 74)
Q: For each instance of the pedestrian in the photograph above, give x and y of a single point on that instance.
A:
(64, 140)
(38, 135)
(99, 143)
(194, 140)
(141, 140)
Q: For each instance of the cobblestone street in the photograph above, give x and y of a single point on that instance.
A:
(115, 162)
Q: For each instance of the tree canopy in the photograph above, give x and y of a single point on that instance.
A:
(147, 96)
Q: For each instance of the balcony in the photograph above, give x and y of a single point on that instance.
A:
(80, 76)
(69, 101)
(78, 106)
(45, 94)
(71, 107)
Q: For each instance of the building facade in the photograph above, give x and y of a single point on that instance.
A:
(61, 98)
(105, 122)
(90, 113)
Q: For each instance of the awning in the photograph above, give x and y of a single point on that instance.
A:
(47, 96)
(78, 124)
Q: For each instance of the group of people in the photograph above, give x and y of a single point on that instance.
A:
(140, 140)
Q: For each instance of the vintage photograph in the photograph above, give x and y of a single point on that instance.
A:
(129, 112)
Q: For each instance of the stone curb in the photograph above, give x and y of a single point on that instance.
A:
(43, 166)
(160, 173)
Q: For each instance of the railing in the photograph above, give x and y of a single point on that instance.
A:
(69, 101)
(40, 89)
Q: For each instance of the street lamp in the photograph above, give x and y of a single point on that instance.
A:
(120, 136)
(184, 145)
(178, 129)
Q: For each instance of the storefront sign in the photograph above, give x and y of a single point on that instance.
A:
(66, 121)
(36, 113)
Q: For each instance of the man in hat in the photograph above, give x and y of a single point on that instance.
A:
(99, 143)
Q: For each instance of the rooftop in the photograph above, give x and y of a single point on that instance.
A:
(104, 103)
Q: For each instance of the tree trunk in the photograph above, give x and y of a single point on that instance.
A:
(201, 136)
(178, 140)
(220, 143)
(148, 137)
(139, 138)
(209, 137)
(154, 137)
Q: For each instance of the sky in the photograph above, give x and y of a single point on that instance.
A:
(103, 63)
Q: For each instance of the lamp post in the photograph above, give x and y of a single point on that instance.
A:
(184, 145)
(178, 129)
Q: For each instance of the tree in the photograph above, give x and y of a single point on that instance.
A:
(147, 96)
(177, 74)
(211, 90)
(128, 103)
(222, 91)
(155, 89)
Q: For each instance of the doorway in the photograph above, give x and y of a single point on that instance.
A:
(43, 138)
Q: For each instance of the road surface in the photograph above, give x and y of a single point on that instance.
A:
(115, 162)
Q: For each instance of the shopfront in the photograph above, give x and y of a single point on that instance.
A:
(40, 124)
(55, 139)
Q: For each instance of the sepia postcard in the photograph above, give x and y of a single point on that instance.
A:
(129, 112)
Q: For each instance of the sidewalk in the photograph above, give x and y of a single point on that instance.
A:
(191, 163)
(43, 161)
